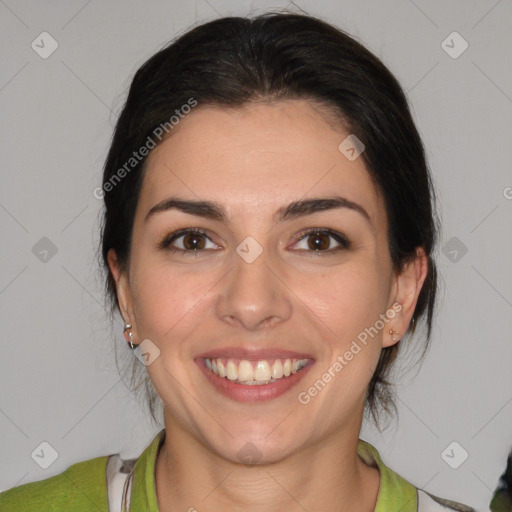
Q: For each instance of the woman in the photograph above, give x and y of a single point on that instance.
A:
(268, 236)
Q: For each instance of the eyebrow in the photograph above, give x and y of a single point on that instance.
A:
(214, 211)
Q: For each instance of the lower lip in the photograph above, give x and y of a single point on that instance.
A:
(257, 392)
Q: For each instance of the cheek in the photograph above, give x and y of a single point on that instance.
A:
(347, 300)
(350, 302)
(169, 303)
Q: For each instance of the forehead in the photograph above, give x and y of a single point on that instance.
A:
(261, 155)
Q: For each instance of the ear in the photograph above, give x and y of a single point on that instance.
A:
(408, 285)
(123, 291)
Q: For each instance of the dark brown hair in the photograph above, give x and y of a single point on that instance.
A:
(231, 61)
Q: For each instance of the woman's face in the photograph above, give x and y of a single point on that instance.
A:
(252, 285)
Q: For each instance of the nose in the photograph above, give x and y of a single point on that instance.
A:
(254, 295)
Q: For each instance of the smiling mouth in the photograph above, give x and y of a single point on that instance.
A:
(255, 373)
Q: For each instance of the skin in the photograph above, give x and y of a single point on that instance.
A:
(254, 160)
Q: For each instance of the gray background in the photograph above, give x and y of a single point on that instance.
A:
(59, 381)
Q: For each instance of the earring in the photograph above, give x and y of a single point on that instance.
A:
(130, 334)
(393, 332)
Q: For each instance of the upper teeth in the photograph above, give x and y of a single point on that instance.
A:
(261, 371)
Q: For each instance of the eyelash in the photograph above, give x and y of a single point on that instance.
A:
(341, 239)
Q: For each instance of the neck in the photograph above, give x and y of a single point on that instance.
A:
(328, 476)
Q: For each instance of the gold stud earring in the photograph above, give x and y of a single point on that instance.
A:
(393, 332)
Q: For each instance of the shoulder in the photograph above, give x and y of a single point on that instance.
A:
(397, 493)
(430, 503)
(80, 487)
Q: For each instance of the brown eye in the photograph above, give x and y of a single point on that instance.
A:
(318, 240)
(191, 241)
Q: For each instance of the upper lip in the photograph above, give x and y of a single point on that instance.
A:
(253, 354)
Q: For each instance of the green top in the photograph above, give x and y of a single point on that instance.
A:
(82, 487)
